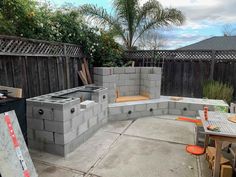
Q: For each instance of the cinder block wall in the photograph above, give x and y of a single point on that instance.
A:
(59, 125)
(150, 84)
(129, 81)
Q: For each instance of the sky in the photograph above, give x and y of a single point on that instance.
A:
(204, 18)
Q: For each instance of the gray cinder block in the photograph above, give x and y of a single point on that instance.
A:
(92, 121)
(126, 109)
(88, 113)
(158, 112)
(96, 109)
(129, 69)
(119, 70)
(42, 113)
(37, 124)
(153, 77)
(163, 105)
(70, 147)
(87, 104)
(196, 107)
(182, 106)
(58, 127)
(83, 127)
(175, 112)
(44, 136)
(67, 113)
(55, 149)
(114, 110)
(62, 139)
(157, 70)
(141, 107)
(104, 71)
(29, 110)
(118, 117)
(78, 120)
(146, 70)
(151, 106)
(164, 111)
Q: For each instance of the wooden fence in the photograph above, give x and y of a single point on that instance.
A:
(185, 71)
(38, 67)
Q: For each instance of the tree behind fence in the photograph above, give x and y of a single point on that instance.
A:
(185, 72)
(38, 67)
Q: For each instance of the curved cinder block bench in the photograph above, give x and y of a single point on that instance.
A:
(163, 106)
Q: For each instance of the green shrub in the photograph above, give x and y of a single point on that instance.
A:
(27, 18)
(218, 90)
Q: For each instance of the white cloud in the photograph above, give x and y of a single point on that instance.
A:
(201, 13)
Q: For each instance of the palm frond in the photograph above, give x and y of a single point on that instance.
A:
(126, 11)
(131, 20)
(160, 17)
(102, 17)
(149, 7)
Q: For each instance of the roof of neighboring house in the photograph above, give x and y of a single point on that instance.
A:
(213, 43)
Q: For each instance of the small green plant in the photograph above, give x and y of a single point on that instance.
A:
(218, 90)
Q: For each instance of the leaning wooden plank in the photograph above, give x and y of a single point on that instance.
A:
(84, 72)
(82, 77)
(14, 92)
(133, 63)
(87, 71)
(15, 160)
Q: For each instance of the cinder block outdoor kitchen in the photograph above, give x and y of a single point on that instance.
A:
(59, 122)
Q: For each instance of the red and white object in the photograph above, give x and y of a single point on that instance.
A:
(14, 155)
(16, 145)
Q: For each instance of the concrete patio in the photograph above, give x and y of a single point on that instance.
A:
(146, 147)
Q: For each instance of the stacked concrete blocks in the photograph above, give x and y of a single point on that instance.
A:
(151, 82)
(188, 107)
(133, 110)
(129, 81)
(103, 76)
(59, 126)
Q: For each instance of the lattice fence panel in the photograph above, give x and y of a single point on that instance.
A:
(203, 55)
(21, 46)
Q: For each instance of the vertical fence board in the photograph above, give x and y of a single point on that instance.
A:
(37, 70)
(60, 71)
(33, 81)
(53, 77)
(186, 71)
(43, 75)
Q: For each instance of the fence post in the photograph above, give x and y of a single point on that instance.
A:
(153, 58)
(67, 67)
(212, 64)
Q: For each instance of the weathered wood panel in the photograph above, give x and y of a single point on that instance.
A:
(37, 75)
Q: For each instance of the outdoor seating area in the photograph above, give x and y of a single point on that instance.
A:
(117, 88)
(129, 83)
(82, 132)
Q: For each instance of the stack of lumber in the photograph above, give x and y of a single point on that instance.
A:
(84, 73)
(226, 169)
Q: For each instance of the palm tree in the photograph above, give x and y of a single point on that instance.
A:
(130, 20)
